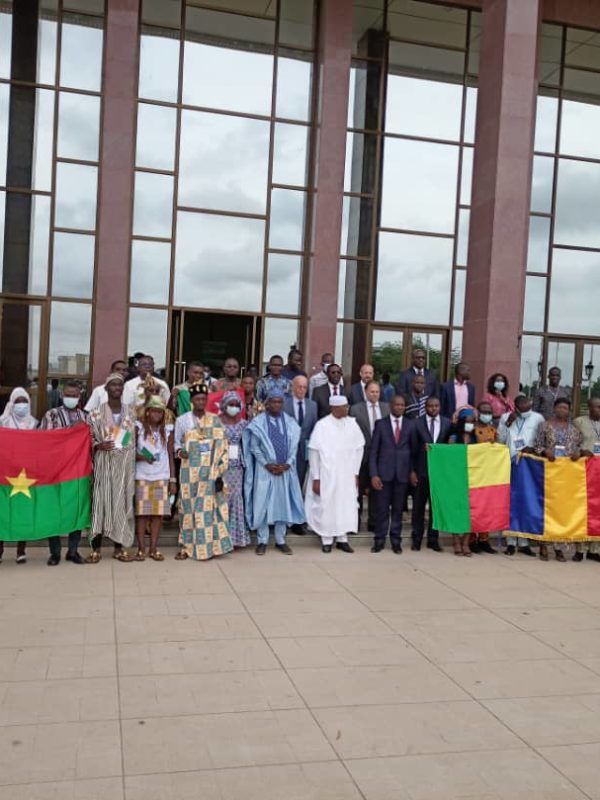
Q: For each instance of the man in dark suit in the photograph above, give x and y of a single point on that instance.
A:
(389, 465)
(304, 411)
(430, 429)
(366, 414)
(418, 367)
(358, 390)
(457, 393)
(333, 387)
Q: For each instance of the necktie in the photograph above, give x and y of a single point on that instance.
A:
(300, 412)
(432, 429)
(335, 390)
(373, 417)
(397, 430)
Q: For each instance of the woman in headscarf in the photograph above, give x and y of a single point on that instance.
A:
(201, 444)
(253, 407)
(113, 438)
(463, 432)
(231, 417)
(17, 416)
(154, 475)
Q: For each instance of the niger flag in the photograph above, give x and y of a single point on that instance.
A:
(45, 482)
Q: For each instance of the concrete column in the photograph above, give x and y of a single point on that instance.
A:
(502, 168)
(333, 76)
(115, 200)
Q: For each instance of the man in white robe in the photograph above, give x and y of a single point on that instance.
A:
(335, 452)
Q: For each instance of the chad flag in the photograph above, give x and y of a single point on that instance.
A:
(45, 479)
(470, 487)
(556, 500)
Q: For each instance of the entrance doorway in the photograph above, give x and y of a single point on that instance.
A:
(579, 361)
(211, 338)
(392, 348)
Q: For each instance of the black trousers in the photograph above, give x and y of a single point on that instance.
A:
(421, 497)
(364, 488)
(390, 498)
(21, 548)
(54, 544)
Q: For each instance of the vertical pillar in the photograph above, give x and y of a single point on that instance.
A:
(499, 230)
(334, 56)
(116, 179)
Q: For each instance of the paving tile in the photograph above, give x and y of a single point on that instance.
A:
(225, 655)
(445, 645)
(166, 695)
(74, 700)
(222, 740)
(438, 598)
(545, 721)
(69, 661)
(276, 579)
(459, 620)
(391, 730)
(505, 775)
(196, 627)
(177, 605)
(326, 781)
(98, 789)
(580, 763)
(55, 606)
(300, 602)
(497, 679)
(61, 752)
(352, 686)
(346, 651)
(319, 623)
(31, 632)
(551, 619)
(573, 643)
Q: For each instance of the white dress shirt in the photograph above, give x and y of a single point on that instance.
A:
(374, 412)
(393, 423)
(436, 426)
(97, 397)
(133, 393)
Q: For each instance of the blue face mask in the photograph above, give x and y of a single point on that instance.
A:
(485, 418)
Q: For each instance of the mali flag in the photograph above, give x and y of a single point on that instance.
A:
(556, 501)
(470, 487)
(45, 482)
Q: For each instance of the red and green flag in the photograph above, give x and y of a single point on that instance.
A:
(45, 482)
(470, 487)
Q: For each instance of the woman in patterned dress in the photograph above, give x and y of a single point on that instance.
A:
(201, 444)
(154, 475)
(231, 417)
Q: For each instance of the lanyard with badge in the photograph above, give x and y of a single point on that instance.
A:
(596, 429)
(519, 442)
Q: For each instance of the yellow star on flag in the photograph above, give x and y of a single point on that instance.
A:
(21, 484)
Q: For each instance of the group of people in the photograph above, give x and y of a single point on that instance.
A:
(287, 453)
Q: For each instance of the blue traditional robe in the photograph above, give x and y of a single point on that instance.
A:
(271, 498)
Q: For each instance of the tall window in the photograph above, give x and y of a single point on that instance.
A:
(50, 104)
(222, 178)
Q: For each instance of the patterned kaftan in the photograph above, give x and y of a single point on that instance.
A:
(203, 511)
(234, 481)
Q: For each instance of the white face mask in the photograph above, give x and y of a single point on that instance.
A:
(70, 402)
(485, 418)
(21, 409)
(499, 385)
(469, 427)
(233, 411)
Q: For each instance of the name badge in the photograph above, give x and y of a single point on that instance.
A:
(596, 449)
(560, 451)
(234, 452)
(519, 444)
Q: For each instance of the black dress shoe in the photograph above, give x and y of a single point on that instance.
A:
(326, 548)
(76, 558)
(377, 548)
(578, 557)
(53, 561)
(527, 551)
(415, 547)
(344, 546)
(486, 547)
(510, 550)
(593, 557)
(299, 530)
(436, 548)
(396, 549)
(261, 549)
(475, 547)
(284, 548)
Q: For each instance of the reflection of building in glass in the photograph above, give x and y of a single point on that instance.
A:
(193, 178)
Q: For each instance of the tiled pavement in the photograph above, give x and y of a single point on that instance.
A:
(315, 677)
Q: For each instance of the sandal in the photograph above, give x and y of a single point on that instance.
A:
(181, 555)
(122, 555)
(140, 555)
(156, 555)
(94, 557)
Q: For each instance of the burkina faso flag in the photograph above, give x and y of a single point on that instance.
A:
(45, 482)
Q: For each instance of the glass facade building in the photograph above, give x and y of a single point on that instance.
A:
(232, 177)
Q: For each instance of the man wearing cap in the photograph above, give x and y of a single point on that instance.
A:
(271, 487)
(201, 444)
(335, 452)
